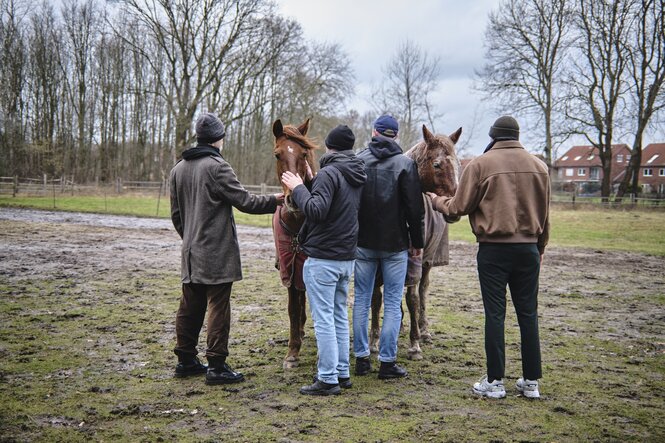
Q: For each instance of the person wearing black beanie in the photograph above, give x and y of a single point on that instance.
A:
(204, 191)
(328, 238)
(506, 194)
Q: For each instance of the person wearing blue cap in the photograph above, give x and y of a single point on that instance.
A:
(391, 220)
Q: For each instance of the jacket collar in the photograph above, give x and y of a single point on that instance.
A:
(507, 144)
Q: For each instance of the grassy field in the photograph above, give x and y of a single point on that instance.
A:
(86, 332)
(606, 229)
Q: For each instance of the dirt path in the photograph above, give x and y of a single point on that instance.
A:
(76, 245)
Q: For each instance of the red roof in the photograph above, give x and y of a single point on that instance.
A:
(653, 155)
(579, 156)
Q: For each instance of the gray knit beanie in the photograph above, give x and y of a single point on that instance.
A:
(209, 128)
(505, 128)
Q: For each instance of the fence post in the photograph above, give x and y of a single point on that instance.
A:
(159, 196)
(263, 188)
(15, 190)
(45, 183)
(118, 185)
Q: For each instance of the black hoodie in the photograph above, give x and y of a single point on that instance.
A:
(391, 211)
(331, 208)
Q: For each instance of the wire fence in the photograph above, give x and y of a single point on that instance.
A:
(45, 186)
(61, 187)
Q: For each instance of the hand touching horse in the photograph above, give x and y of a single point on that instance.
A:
(293, 152)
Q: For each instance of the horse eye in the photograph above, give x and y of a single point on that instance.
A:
(304, 155)
(437, 165)
(277, 155)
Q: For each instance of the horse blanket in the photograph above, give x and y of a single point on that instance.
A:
(290, 258)
(436, 251)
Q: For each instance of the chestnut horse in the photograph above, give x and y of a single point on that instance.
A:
(293, 152)
(438, 169)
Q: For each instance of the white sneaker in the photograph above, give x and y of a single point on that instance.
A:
(487, 389)
(528, 388)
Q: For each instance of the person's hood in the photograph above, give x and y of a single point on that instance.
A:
(384, 147)
(200, 151)
(346, 162)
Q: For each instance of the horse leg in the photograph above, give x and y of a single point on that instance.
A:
(295, 328)
(375, 330)
(303, 313)
(423, 292)
(413, 303)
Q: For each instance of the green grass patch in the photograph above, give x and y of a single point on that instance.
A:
(602, 229)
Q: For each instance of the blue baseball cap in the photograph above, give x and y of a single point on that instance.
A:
(386, 125)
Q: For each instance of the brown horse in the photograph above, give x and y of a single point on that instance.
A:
(293, 152)
(438, 169)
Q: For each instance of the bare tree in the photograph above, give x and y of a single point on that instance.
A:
(409, 79)
(196, 37)
(81, 26)
(12, 78)
(598, 78)
(525, 46)
(646, 64)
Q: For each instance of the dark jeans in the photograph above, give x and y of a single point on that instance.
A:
(518, 267)
(191, 313)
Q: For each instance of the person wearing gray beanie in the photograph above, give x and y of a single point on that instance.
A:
(204, 191)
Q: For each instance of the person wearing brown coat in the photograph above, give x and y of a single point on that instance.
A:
(506, 193)
(204, 191)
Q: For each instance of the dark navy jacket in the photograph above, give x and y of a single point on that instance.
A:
(330, 230)
(391, 210)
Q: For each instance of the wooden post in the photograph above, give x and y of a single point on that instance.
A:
(263, 188)
(15, 190)
(159, 196)
(45, 183)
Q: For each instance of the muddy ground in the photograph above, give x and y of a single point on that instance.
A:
(67, 281)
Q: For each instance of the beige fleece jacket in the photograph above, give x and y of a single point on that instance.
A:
(506, 194)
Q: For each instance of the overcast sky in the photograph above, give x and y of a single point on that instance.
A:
(370, 31)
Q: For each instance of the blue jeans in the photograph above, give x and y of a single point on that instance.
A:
(327, 283)
(393, 266)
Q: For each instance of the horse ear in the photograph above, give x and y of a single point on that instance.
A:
(427, 135)
(304, 127)
(456, 135)
(277, 128)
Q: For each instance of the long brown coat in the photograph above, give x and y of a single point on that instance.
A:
(203, 192)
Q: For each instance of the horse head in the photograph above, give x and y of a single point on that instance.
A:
(293, 152)
(438, 165)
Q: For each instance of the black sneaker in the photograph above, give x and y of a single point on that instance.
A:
(363, 366)
(344, 383)
(223, 375)
(321, 388)
(391, 370)
(189, 368)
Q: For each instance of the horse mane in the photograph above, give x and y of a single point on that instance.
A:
(292, 132)
(418, 154)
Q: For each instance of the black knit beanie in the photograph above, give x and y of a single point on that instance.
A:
(209, 128)
(340, 138)
(505, 128)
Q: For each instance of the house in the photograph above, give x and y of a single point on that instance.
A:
(652, 169)
(580, 165)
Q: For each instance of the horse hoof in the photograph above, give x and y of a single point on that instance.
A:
(426, 337)
(414, 354)
(290, 363)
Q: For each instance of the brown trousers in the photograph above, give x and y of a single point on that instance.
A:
(191, 314)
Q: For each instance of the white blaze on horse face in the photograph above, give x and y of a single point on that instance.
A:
(290, 149)
(456, 168)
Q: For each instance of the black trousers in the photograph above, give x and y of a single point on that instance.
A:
(518, 267)
(191, 314)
